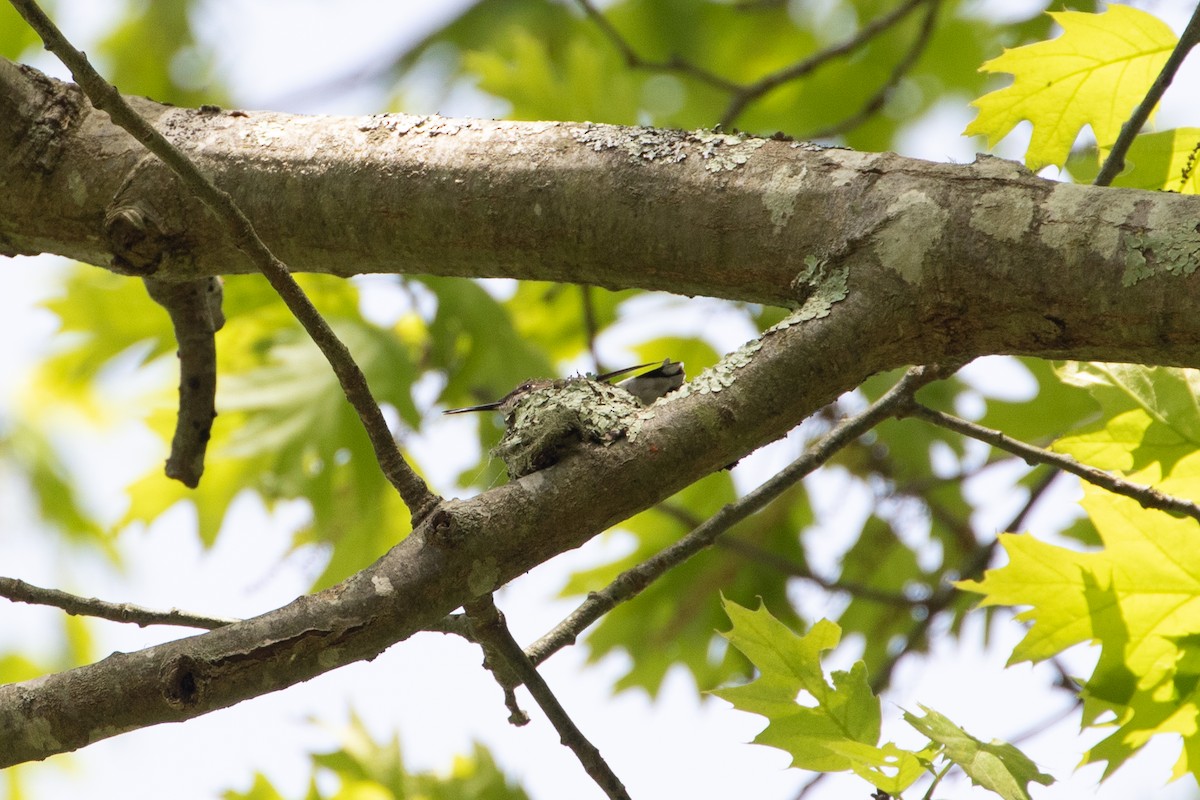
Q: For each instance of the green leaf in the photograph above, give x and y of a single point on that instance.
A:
(150, 36)
(15, 34)
(658, 629)
(880, 561)
(1139, 598)
(824, 726)
(370, 770)
(56, 495)
(1149, 422)
(556, 316)
(997, 766)
(1094, 74)
(1062, 405)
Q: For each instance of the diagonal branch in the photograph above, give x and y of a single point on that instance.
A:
(1147, 496)
(1133, 126)
(633, 581)
(19, 591)
(489, 629)
(416, 495)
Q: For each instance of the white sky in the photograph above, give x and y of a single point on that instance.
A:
(432, 689)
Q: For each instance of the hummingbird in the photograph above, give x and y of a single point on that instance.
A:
(646, 387)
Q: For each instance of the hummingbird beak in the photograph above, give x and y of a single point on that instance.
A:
(482, 407)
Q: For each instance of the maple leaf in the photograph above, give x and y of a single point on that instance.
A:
(1139, 598)
(1094, 74)
(841, 730)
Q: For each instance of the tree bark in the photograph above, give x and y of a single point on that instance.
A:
(886, 261)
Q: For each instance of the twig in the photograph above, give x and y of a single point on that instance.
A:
(631, 582)
(489, 628)
(1115, 162)
(635, 61)
(195, 311)
(857, 590)
(876, 101)
(752, 552)
(105, 97)
(745, 94)
(975, 563)
(591, 325)
(1147, 496)
(21, 592)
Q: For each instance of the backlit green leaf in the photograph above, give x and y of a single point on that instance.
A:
(1094, 74)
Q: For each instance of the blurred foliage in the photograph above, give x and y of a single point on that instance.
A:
(370, 770)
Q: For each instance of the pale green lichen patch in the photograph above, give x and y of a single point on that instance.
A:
(1002, 215)
(722, 374)
(39, 734)
(718, 151)
(779, 193)
(1170, 252)
(642, 144)
(725, 151)
(1068, 203)
(712, 380)
(819, 285)
(915, 224)
(551, 420)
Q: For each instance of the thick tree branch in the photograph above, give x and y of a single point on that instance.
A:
(983, 258)
(633, 581)
(104, 96)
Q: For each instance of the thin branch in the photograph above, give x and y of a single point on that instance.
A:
(633, 581)
(416, 495)
(859, 591)
(759, 555)
(746, 94)
(974, 563)
(1133, 126)
(489, 628)
(19, 591)
(1147, 496)
(635, 61)
(591, 325)
(876, 101)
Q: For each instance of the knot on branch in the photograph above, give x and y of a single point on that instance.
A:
(182, 682)
(135, 239)
(148, 218)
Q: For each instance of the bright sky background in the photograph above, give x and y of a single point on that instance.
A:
(431, 689)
